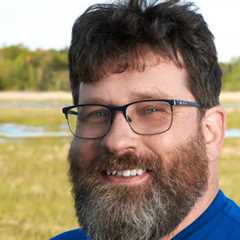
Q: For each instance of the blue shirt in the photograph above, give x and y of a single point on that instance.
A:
(221, 221)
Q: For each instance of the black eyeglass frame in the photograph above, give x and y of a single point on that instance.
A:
(123, 109)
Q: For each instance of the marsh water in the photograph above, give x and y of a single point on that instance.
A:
(11, 130)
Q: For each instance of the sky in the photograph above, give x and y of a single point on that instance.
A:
(48, 23)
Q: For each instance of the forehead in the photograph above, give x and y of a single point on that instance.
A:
(158, 80)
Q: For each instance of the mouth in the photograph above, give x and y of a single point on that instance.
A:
(127, 177)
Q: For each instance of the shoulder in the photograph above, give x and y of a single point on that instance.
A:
(232, 212)
(75, 234)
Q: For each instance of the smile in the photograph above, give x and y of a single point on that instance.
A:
(127, 177)
(126, 173)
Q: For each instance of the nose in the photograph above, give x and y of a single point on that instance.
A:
(120, 139)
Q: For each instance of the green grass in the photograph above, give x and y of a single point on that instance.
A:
(34, 190)
(52, 118)
(233, 119)
(230, 168)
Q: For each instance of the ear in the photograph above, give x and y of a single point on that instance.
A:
(213, 127)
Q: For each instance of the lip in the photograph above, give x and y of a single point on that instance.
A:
(128, 181)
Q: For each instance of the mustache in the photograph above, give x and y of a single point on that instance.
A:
(111, 161)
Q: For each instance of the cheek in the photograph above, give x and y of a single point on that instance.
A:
(159, 146)
(83, 151)
(185, 125)
(164, 144)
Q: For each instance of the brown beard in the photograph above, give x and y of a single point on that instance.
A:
(148, 211)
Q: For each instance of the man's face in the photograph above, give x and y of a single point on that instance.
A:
(170, 169)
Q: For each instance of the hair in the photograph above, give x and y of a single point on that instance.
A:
(113, 38)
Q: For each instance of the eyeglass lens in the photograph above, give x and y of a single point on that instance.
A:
(94, 121)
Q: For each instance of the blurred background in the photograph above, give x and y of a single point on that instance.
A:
(35, 196)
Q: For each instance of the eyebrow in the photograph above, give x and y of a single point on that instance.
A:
(150, 94)
(134, 96)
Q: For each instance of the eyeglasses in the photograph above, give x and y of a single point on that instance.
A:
(145, 117)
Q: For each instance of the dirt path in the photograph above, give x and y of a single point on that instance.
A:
(225, 96)
(230, 96)
(35, 96)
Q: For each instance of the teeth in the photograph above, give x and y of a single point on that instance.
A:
(133, 172)
(139, 172)
(126, 173)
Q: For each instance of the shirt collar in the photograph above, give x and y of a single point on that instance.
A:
(217, 204)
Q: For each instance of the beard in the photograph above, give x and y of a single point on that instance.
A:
(146, 211)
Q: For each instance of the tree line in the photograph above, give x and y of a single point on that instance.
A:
(38, 70)
(46, 70)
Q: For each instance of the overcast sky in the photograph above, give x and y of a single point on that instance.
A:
(47, 23)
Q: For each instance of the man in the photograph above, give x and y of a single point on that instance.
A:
(147, 125)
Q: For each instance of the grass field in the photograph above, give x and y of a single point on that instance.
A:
(52, 118)
(35, 194)
(34, 190)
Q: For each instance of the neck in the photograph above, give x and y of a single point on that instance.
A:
(200, 206)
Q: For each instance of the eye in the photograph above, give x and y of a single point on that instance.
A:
(100, 114)
(151, 110)
(154, 109)
(97, 116)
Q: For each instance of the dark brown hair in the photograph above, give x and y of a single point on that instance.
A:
(109, 38)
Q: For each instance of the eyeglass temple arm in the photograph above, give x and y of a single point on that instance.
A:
(67, 110)
(176, 102)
